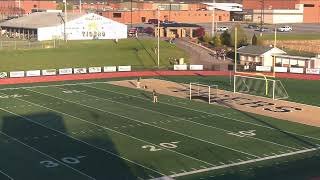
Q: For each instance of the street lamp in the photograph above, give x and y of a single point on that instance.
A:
(213, 18)
(158, 49)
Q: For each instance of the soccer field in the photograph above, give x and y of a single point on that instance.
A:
(95, 130)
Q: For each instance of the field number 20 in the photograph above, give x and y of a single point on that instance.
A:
(171, 145)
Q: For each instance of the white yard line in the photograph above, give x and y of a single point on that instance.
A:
(207, 113)
(5, 174)
(209, 126)
(191, 137)
(59, 132)
(239, 163)
(103, 127)
(44, 154)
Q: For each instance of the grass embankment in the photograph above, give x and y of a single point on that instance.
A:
(138, 53)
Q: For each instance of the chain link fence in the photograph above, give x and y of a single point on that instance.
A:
(14, 45)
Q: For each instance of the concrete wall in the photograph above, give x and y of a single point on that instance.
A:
(280, 16)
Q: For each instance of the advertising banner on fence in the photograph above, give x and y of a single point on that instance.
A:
(124, 68)
(17, 74)
(296, 70)
(180, 67)
(94, 69)
(3, 74)
(281, 69)
(196, 67)
(109, 68)
(263, 68)
(65, 71)
(313, 71)
(33, 73)
(79, 70)
(49, 72)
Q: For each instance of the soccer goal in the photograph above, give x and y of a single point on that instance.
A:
(203, 91)
(271, 88)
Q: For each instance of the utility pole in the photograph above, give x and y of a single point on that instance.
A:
(131, 14)
(213, 18)
(158, 49)
(80, 6)
(65, 21)
(262, 14)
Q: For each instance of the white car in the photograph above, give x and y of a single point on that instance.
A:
(222, 28)
(285, 29)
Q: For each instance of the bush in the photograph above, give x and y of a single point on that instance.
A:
(199, 33)
(242, 39)
(217, 41)
(225, 38)
(206, 38)
(254, 40)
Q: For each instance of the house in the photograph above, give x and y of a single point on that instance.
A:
(258, 55)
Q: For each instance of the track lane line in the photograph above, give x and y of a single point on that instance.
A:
(115, 114)
(5, 174)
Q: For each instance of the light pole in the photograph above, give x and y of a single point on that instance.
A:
(65, 20)
(64, 26)
(213, 18)
(158, 49)
(80, 6)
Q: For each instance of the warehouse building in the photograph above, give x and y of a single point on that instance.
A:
(292, 11)
(43, 26)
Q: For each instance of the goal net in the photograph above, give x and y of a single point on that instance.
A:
(203, 92)
(260, 86)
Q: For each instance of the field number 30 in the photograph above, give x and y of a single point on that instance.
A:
(171, 145)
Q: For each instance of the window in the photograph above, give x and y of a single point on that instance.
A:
(308, 5)
(117, 15)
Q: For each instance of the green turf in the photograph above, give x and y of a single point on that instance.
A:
(138, 53)
(106, 132)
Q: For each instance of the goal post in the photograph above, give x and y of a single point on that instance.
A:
(202, 91)
(260, 86)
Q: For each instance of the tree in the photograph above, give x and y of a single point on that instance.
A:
(242, 39)
(60, 6)
(216, 41)
(206, 38)
(259, 41)
(199, 33)
(225, 38)
(254, 40)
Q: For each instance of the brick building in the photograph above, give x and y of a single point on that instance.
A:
(142, 16)
(25, 7)
(310, 8)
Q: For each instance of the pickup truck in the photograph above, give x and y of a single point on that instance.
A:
(285, 29)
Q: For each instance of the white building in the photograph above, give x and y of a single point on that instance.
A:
(279, 16)
(50, 25)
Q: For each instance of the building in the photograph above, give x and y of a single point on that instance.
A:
(143, 16)
(298, 61)
(176, 30)
(258, 55)
(279, 16)
(50, 25)
(310, 9)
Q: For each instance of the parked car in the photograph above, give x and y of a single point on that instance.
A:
(252, 26)
(262, 29)
(285, 29)
(222, 28)
(153, 21)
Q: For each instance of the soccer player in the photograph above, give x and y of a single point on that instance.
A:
(155, 97)
(138, 82)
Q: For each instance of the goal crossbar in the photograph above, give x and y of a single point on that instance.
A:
(198, 85)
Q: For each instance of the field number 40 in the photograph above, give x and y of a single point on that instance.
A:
(242, 134)
(171, 145)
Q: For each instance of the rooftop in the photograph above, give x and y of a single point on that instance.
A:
(39, 19)
(258, 50)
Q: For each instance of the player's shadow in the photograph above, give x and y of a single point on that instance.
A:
(48, 136)
(265, 123)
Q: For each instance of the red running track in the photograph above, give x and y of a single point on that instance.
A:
(136, 74)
